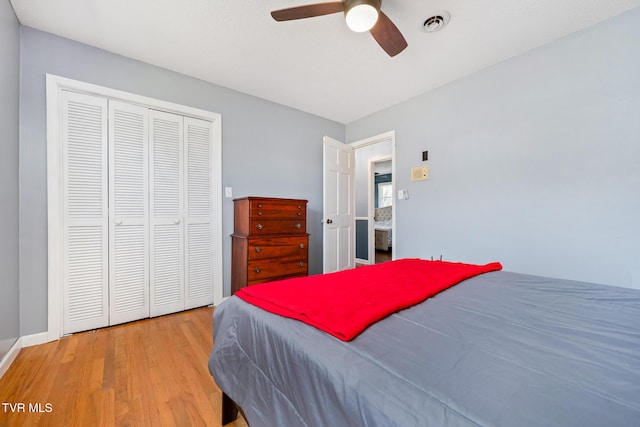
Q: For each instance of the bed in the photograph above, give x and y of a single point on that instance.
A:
(498, 349)
(382, 225)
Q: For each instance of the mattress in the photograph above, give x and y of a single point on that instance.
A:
(382, 225)
(500, 349)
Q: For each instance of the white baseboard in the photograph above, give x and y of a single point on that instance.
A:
(11, 355)
(22, 342)
(35, 339)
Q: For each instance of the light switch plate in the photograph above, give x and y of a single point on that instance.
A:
(228, 193)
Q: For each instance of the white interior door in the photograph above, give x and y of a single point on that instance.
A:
(129, 212)
(166, 198)
(200, 254)
(339, 206)
(85, 225)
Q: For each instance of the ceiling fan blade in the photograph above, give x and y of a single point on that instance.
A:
(308, 11)
(388, 36)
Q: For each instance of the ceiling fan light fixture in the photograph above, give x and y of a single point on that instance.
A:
(361, 15)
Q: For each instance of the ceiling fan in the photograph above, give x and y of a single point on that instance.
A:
(360, 15)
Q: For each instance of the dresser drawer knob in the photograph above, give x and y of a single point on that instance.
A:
(257, 270)
(259, 226)
(259, 205)
(258, 249)
(298, 226)
(301, 264)
(299, 206)
(301, 245)
(259, 213)
(299, 213)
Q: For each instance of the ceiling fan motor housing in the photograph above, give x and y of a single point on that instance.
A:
(350, 4)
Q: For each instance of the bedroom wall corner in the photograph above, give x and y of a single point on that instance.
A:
(533, 161)
(9, 123)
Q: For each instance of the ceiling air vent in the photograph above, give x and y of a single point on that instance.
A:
(436, 22)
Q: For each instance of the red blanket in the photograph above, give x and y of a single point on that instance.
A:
(345, 303)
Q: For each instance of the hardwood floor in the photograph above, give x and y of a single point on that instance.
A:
(152, 372)
(383, 256)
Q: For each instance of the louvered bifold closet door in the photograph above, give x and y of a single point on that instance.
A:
(85, 212)
(199, 212)
(167, 227)
(129, 212)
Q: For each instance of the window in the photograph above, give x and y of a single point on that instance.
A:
(385, 194)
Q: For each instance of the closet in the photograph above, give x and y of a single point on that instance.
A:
(138, 201)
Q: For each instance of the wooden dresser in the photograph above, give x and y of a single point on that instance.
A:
(269, 240)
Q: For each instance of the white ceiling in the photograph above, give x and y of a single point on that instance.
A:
(316, 65)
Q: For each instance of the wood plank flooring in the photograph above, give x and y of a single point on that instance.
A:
(152, 372)
(383, 256)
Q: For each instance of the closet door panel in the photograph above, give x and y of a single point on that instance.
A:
(129, 212)
(200, 190)
(85, 212)
(167, 228)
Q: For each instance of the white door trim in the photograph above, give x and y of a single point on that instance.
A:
(390, 135)
(54, 88)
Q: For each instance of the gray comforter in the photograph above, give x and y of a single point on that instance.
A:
(500, 349)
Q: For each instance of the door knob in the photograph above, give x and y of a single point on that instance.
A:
(329, 221)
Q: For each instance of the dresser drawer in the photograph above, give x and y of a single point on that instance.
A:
(275, 278)
(267, 269)
(277, 209)
(264, 226)
(278, 247)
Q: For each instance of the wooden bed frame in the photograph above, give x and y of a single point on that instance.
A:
(229, 410)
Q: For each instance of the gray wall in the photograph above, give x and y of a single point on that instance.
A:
(9, 102)
(534, 162)
(268, 149)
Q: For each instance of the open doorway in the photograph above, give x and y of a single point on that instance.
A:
(374, 207)
(380, 209)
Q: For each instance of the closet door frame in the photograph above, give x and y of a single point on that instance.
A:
(56, 85)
